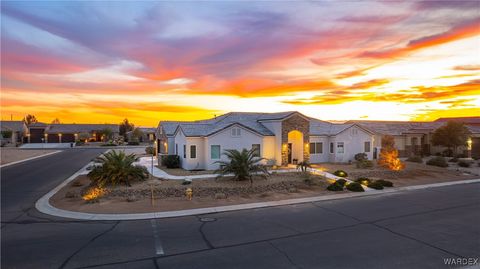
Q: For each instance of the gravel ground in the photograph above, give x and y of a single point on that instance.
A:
(9, 155)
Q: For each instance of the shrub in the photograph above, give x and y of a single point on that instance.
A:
(133, 143)
(171, 161)
(335, 187)
(7, 134)
(375, 185)
(360, 157)
(340, 173)
(117, 167)
(242, 164)
(355, 187)
(453, 160)
(385, 183)
(341, 182)
(364, 164)
(149, 150)
(415, 159)
(303, 166)
(463, 164)
(79, 143)
(438, 161)
(363, 180)
(447, 153)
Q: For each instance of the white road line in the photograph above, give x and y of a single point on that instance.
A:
(29, 159)
(158, 244)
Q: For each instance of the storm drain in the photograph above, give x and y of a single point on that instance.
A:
(207, 219)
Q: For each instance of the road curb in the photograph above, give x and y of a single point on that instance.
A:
(43, 204)
(29, 159)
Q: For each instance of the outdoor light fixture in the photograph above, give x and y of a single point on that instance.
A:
(469, 143)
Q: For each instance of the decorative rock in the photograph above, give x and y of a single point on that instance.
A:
(220, 195)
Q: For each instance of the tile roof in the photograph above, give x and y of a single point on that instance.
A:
(466, 120)
(80, 128)
(14, 126)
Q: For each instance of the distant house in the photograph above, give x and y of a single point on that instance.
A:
(67, 133)
(148, 134)
(13, 131)
(291, 137)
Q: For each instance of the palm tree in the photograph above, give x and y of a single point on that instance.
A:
(117, 167)
(242, 164)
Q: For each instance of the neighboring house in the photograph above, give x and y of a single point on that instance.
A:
(15, 129)
(282, 138)
(148, 134)
(68, 133)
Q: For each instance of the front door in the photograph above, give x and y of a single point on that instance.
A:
(289, 153)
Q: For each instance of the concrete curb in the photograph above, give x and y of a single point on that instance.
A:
(29, 159)
(43, 204)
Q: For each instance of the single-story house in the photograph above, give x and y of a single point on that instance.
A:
(281, 138)
(68, 133)
(13, 131)
(291, 137)
(148, 134)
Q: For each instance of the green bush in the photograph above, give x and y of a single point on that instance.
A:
(149, 150)
(415, 159)
(171, 161)
(340, 173)
(463, 164)
(341, 182)
(242, 164)
(133, 143)
(363, 180)
(438, 161)
(364, 164)
(117, 167)
(385, 183)
(375, 185)
(360, 157)
(335, 187)
(355, 187)
(7, 134)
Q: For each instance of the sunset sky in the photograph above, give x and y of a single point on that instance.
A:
(148, 61)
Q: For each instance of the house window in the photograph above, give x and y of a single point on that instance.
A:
(367, 146)
(331, 148)
(256, 150)
(176, 149)
(193, 152)
(184, 151)
(236, 132)
(316, 148)
(215, 152)
(340, 147)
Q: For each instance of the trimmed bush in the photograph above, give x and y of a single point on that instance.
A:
(171, 161)
(341, 182)
(149, 150)
(360, 157)
(335, 187)
(375, 185)
(364, 164)
(385, 183)
(355, 187)
(363, 180)
(438, 161)
(415, 159)
(463, 164)
(340, 173)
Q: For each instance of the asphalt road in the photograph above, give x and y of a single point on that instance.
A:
(415, 229)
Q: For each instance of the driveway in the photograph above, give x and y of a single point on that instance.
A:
(416, 229)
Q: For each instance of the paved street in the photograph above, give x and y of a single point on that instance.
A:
(415, 229)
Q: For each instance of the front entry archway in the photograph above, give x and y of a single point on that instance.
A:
(295, 147)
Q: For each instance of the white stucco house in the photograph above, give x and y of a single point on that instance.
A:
(281, 138)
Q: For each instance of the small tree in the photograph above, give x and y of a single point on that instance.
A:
(107, 134)
(29, 119)
(389, 154)
(125, 126)
(137, 134)
(56, 121)
(452, 135)
(242, 164)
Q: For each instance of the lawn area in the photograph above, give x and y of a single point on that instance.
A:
(9, 155)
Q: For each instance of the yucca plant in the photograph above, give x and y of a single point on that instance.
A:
(242, 164)
(117, 167)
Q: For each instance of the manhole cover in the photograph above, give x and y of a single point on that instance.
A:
(207, 219)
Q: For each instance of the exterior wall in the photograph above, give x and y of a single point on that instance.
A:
(354, 140)
(276, 128)
(320, 158)
(171, 146)
(197, 163)
(227, 141)
(298, 123)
